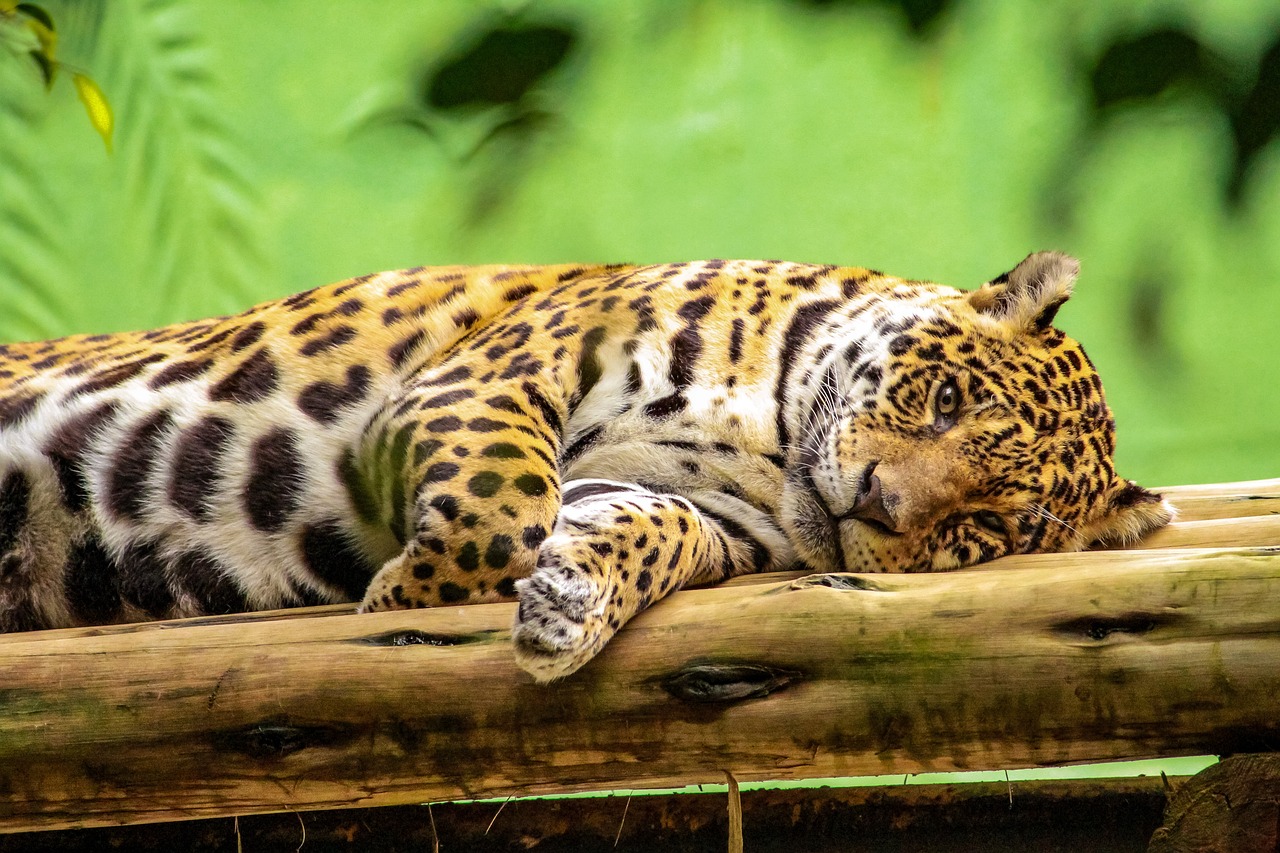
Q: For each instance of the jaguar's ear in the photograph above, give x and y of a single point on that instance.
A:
(1028, 296)
(1131, 512)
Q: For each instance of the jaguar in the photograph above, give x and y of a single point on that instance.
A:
(582, 439)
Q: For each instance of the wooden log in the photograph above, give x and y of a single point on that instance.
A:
(1097, 815)
(1193, 508)
(1084, 657)
(1224, 502)
(1231, 807)
(1177, 494)
(1214, 533)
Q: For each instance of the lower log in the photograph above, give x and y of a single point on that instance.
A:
(1087, 658)
(1098, 815)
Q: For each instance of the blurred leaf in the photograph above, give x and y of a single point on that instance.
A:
(41, 25)
(384, 106)
(37, 14)
(48, 68)
(1148, 315)
(1152, 63)
(519, 126)
(1149, 66)
(500, 67)
(1255, 123)
(96, 105)
(12, 33)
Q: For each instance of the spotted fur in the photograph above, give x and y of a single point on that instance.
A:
(582, 439)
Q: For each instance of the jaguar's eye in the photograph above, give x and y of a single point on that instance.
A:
(946, 403)
(991, 522)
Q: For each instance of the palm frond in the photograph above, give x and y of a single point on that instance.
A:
(195, 214)
(32, 265)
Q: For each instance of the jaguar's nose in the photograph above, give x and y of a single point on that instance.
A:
(869, 506)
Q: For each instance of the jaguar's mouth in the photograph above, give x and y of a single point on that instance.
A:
(824, 535)
(875, 524)
(832, 518)
(860, 508)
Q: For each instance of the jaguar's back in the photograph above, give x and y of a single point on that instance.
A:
(204, 467)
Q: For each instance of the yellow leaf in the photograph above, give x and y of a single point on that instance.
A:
(95, 104)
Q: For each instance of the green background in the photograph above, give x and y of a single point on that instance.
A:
(264, 148)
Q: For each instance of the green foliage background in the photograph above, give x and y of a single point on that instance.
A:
(264, 148)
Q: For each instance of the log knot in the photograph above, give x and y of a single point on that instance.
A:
(413, 637)
(837, 580)
(276, 738)
(705, 683)
(1099, 627)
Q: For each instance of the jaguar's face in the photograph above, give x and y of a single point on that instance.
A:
(983, 433)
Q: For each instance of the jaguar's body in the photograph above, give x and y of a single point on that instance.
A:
(586, 439)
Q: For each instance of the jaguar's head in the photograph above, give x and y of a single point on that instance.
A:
(945, 428)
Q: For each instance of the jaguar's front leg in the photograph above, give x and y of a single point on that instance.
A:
(464, 475)
(616, 548)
